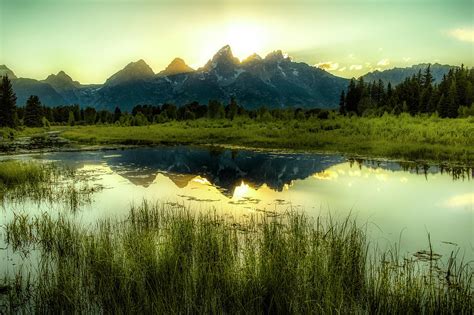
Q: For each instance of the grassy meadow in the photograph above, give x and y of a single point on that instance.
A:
(403, 137)
(166, 260)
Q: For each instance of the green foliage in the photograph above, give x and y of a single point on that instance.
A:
(71, 119)
(404, 136)
(8, 116)
(215, 110)
(139, 120)
(33, 112)
(161, 118)
(90, 115)
(232, 109)
(13, 173)
(417, 94)
(465, 111)
(117, 114)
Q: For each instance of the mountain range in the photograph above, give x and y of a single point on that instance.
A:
(398, 75)
(274, 81)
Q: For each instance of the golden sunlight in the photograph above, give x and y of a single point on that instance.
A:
(241, 191)
(245, 39)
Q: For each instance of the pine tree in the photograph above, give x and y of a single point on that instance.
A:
(232, 108)
(352, 98)
(7, 104)
(342, 104)
(117, 114)
(452, 101)
(71, 120)
(380, 92)
(442, 106)
(427, 77)
(33, 112)
(215, 109)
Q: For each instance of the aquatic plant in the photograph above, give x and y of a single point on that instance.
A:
(165, 259)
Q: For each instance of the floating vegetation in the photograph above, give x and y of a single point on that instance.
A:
(163, 258)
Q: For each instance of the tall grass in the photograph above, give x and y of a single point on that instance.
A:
(164, 259)
(43, 182)
(16, 173)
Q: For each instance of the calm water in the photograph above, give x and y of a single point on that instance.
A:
(398, 203)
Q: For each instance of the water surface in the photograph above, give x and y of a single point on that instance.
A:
(398, 203)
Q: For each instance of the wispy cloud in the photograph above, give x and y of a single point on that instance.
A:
(406, 59)
(355, 67)
(328, 65)
(342, 69)
(375, 69)
(383, 63)
(463, 34)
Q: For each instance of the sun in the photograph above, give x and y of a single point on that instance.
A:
(245, 39)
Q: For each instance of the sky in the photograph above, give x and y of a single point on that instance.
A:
(92, 39)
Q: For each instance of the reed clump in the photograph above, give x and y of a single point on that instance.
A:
(164, 259)
(44, 182)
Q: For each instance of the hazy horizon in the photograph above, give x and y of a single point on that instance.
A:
(90, 40)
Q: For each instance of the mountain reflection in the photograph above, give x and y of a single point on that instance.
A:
(226, 169)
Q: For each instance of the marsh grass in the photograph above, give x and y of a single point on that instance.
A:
(15, 173)
(405, 137)
(166, 259)
(49, 183)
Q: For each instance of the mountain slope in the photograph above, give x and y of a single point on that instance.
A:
(4, 70)
(134, 71)
(47, 94)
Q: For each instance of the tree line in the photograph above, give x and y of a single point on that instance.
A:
(452, 97)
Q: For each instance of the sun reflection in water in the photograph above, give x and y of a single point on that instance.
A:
(241, 191)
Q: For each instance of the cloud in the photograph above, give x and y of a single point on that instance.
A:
(463, 34)
(384, 62)
(355, 67)
(406, 59)
(342, 69)
(375, 69)
(328, 65)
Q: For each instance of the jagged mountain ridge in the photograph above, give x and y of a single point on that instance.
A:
(275, 81)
